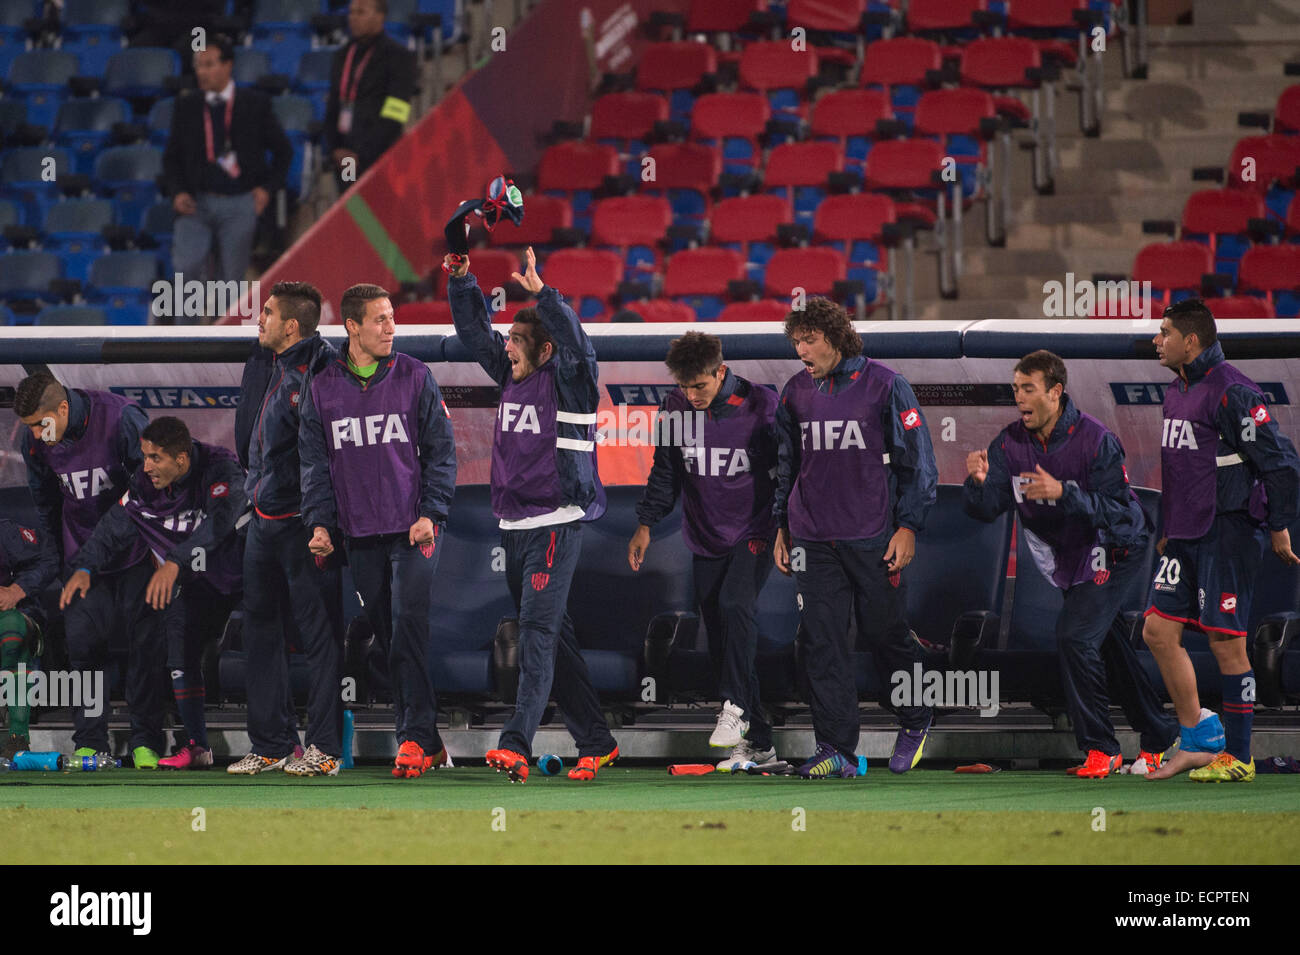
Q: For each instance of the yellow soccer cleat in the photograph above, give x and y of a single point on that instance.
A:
(1226, 768)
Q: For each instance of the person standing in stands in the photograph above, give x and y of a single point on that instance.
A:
(81, 447)
(186, 503)
(1231, 483)
(225, 157)
(1063, 473)
(544, 484)
(372, 83)
(379, 468)
(276, 559)
(855, 478)
(716, 449)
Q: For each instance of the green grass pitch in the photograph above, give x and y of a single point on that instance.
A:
(641, 815)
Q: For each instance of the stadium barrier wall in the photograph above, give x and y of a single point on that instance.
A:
(961, 373)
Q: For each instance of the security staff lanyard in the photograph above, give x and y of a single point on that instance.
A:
(349, 97)
(227, 160)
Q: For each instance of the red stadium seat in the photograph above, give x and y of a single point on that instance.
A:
(815, 270)
(721, 16)
(1293, 219)
(1213, 211)
(943, 16)
(802, 164)
(626, 116)
(849, 118)
(635, 227)
(836, 16)
(630, 220)
(686, 174)
(1240, 306)
(544, 215)
(704, 271)
(571, 166)
(780, 71)
(1039, 17)
(907, 165)
(1276, 159)
(1286, 116)
(585, 273)
(749, 218)
(674, 66)
(854, 224)
(901, 61)
(423, 313)
(953, 112)
(1275, 271)
(1173, 268)
(662, 310)
(766, 310)
(1000, 63)
(734, 121)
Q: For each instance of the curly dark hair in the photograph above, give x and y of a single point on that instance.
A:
(823, 315)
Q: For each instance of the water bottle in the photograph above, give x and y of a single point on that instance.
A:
(25, 759)
(5, 764)
(89, 764)
(349, 729)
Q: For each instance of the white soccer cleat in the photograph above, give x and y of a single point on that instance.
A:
(745, 756)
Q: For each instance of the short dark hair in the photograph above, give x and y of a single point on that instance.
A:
(693, 355)
(1052, 367)
(355, 300)
(170, 434)
(300, 301)
(823, 315)
(540, 336)
(224, 46)
(39, 391)
(1192, 316)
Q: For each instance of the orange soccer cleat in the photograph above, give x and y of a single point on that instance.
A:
(510, 762)
(588, 766)
(1099, 765)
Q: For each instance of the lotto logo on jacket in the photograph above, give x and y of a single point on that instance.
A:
(370, 430)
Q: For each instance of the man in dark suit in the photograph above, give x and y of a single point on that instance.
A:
(372, 82)
(226, 156)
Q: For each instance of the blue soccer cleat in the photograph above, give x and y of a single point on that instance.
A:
(908, 748)
(828, 762)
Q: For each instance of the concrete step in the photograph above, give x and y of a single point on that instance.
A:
(1245, 92)
(971, 310)
(1145, 123)
(1120, 235)
(1221, 34)
(1044, 263)
(1170, 153)
(1238, 12)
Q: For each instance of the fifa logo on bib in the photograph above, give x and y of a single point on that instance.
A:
(77, 483)
(379, 429)
(1178, 434)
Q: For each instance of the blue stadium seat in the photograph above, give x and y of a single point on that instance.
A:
(296, 115)
(160, 121)
(40, 78)
(283, 29)
(10, 214)
(13, 113)
(158, 223)
(129, 174)
(452, 13)
(13, 38)
(396, 25)
(31, 175)
(250, 65)
(612, 606)
(470, 595)
(312, 79)
(85, 125)
(141, 72)
(73, 232)
(92, 29)
(120, 284)
(26, 276)
(71, 315)
(7, 316)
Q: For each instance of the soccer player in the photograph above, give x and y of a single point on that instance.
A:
(544, 483)
(29, 562)
(379, 468)
(185, 502)
(1221, 455)
(277, 561)
(80, 447)
(855, 478)
(720, 458)
(1063, 472)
